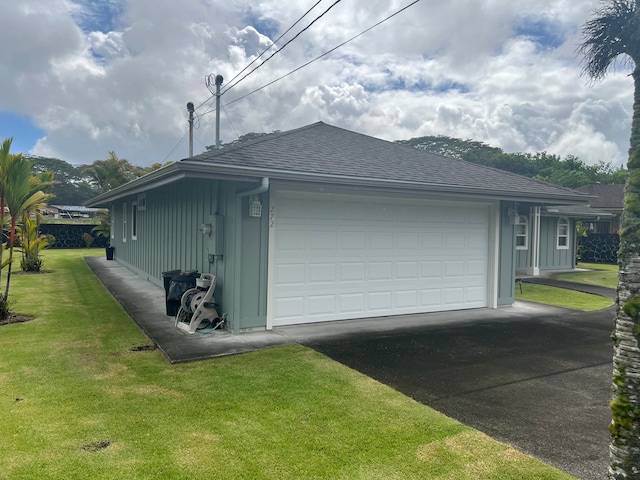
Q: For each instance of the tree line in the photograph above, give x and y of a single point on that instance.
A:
(77, 184)
(570, 172)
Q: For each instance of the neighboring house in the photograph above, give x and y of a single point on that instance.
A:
(72, 211)
(320, 223)
(545, 237)
(606, 198)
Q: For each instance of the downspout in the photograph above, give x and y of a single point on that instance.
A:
(255, 191)
(534, 266)
(264, 186)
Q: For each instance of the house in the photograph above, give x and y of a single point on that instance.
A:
(71, 211)
(545, 237)
(606, 198)
(602, 242)
(320, 224)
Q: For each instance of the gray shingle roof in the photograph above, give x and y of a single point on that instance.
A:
(607, 196)
(327, 155)
(324, 151)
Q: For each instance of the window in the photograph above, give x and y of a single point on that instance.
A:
(124, 222)
(563, 234)
(134, 221)
(522, 233)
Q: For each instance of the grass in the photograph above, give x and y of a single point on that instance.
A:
(561, 297)
(598, 274)
(80, 400)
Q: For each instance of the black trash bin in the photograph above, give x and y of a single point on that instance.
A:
(179, 284)
(166, 279)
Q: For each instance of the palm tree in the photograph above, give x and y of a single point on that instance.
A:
(20, 192)
(112, 172)
(613, 34)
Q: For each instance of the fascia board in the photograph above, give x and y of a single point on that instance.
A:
(207, 169)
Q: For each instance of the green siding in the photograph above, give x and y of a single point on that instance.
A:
(507, 260)
(552, 258)
(169, 238)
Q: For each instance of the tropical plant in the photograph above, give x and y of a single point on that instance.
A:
(20, 193)
(112, 172)
(103, 228)
(32, 243)
(613, 35)
(88, 239)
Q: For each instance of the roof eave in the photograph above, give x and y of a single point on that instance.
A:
(207, 169)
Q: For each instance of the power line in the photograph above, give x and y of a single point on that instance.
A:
(275, 41)
(283, 46)
(176, 146)
(263, 52)
(323, 54)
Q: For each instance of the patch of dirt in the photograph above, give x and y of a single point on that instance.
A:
(142, 348)
(22, 272)
(16, 318)
(96, 446)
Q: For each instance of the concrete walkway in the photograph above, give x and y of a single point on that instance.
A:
(144, 302)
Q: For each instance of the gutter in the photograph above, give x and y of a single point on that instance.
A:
(255, 191)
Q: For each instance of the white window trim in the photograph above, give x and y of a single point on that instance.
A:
(563, 221)
(124, 222)
(134, 220)
(522, 220)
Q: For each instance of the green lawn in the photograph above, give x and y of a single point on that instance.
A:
(80, 400)
(561, 297)
(598, 274)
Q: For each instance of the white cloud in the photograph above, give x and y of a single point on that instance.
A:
(499, 71)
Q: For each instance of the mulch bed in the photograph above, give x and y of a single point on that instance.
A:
(16, 318)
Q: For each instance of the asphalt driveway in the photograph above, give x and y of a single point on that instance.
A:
(541, 384)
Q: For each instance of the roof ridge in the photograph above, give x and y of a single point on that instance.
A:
(214, 152)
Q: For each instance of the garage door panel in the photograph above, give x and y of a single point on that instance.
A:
(380, 301)
(321, 273)
(355, 257)
(351, 272)
(353, 240)
(290, 274)
(407, 299)
(431, 298)
(406, 270)
(351, 303)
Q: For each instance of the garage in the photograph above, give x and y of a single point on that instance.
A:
(338, 256)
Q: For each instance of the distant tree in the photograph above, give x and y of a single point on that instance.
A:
(71, 186)
(569, 172)
(453, 147)
(112, 172)
(155, 166)
(614, 33)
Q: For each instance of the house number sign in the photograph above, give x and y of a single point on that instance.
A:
(272, 216)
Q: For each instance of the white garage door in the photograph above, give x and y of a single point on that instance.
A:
(344, 257)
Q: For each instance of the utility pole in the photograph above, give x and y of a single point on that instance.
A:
(190, 110)
(209, 81)
(219, 80)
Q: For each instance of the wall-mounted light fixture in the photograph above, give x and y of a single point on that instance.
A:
(512, 212)
(205, 229)
(255, 207)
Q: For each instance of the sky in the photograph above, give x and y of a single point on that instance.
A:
(80, 78)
